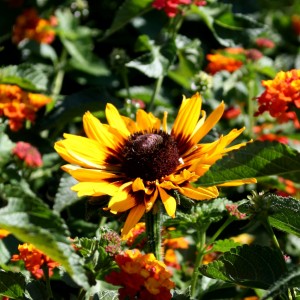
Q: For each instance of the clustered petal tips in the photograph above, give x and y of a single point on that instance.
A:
(138, 162)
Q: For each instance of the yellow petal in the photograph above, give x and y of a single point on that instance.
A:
(122, 205)
(115, 120)
(130, 124)
(150, 200)
(210, 122)
(121, 194)
(95, 130)
(133, 218)
(239, 182)
(138, 185)
(199, 193)
(73, 150)
(82, 174)
(168, 201)
(147, 122)
(187, 118)
(94, 189)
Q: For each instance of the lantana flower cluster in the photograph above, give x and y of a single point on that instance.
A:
(172, 7)
(29, 154)
(141, 276)
(30, 26)
(34, 260)
(19, 105)
(281, 96)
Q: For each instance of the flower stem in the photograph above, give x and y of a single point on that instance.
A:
(153, 230)
(156, 91)
(60, 73)
(47, 279)
(201, 237)
(250, 105)
(221, 229)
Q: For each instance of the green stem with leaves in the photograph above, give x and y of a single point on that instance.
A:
(200, 248)
(60, 73)
(47, 280)
(156, 91)
(153, 230)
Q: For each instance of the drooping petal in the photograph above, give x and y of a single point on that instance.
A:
(199, 193)
(133, 218)
(150, 199)
(123, 204)
(73, 150)
(239, 182)
(94, 188)
(121, 194)
(82, 174)
(168, 201)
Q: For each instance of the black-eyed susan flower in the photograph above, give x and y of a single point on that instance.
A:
(139, 162)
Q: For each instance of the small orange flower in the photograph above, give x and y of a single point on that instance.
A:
(30, 26)
(274, 137)
(29, 154)
(282, 94)
(176, 243)
(34, 260)
(141, 276)
(133, 236)
(289, 188)
(19, 105)
(229, 59)
(3, 233)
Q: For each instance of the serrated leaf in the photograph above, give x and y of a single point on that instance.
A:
(102, 290)
(283, 212)
(127, 11)
(12, 284)
(64, 196)
(27, 76)
(31, 221)
(291, 279)
(257, 159)
(252, 266)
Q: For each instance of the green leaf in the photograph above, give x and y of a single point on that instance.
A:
(156, 63)
(283, 212)
(290, 279)
(12, 284)
(252, 266)
(27, 76)
(257, 159)
(64, 196)
(75, 105)
(127, 11)
(6, 146)
(31, 221)
(224, 245)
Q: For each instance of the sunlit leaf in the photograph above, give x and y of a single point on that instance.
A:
(27, 76)
(31, 221)
(257, 159)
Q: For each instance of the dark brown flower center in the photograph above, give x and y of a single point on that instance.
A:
(150, 156)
